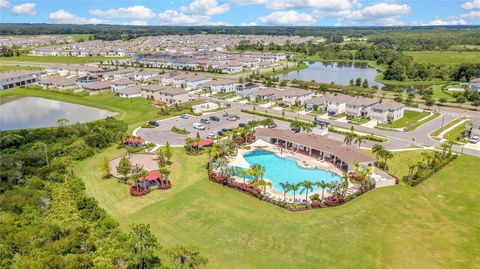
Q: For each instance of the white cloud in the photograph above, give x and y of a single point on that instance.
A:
(25, 9)
(289, 17)
(378, 14)
(136, 23)
(248, 24)
(325, 5)
(471, 15)
(439, 22)
(4, 3)
(205, 7)
(62, 16)
(475, 4)
(173, 17)
(133, 12)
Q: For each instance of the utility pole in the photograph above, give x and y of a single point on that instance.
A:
(443, 119)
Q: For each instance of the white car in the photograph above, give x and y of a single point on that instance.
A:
(198, 126)
(231, 118)
(475, 139)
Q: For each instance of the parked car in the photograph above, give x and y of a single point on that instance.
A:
(214, 118)
(206, 121)
(241, 124)
(184, 116)
(220, 133)
(211, 136)
(296, 130)
(273, 125)
(475, 139)
(153, 123)
(225, 130)
(198, 126)
(231, 118)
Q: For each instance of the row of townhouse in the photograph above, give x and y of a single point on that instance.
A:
(17, 78)
(165, 94)
(383, 111)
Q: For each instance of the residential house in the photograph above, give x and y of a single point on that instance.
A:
(82, 81)
(387, 111)
(294, 96)
(168, 95)
(121, 83)
(244, 90)
(17, 78)
(129, 92)
(56, 82)
(144, 75)
(96, 87)
(220, 85)
(336, 103)
(360, 107)
(266, 94)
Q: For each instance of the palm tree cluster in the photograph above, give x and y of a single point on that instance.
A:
(306, 186)
(381, 153)
(298, 125)
(353, 138)
(429, 164)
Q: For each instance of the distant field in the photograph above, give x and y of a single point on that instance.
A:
(16, 67)
(444, 57)
(58, 59)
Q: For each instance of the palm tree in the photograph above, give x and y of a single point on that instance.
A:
(307, 128)
(139, 175)
(262, 183)
(349, 138)
(211, 152)
(306, 187)
(376, 149)
(296, 125)
(411, 167)
(444, 146)
(243, 173)
(387, 155)
(322, 184)
(344, 183)
(295, 188)
(359, 140)
(286, 187)
(356, 166)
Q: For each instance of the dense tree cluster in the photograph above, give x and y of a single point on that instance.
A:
(47, 220)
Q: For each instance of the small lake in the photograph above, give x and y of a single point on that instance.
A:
(338, 72)
(34, 112)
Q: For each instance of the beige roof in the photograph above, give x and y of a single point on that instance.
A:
(218, 82)
(362, 101)
(296, 92)
(152, 87)
(346, 153)
(61, 81)
(99, 85)
(173, 91)
(122, 81)
(130, 90)
(388, 104)
(338, 97)
(16, 73)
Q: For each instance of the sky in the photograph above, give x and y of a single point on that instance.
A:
(244, 12)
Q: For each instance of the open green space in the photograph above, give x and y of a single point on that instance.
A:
(457, 134)
(409, 117)
(59, 59)
(4, 67)
(447, 126)
(444, 57)
(379, 78)
(439, 93)
(429, 226)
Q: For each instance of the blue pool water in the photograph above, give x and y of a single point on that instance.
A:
(279, 169)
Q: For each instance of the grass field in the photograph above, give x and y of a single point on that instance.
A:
(456, 134)
(58, 59)
(446, 126)
(135, 111)
(434, 225)
(409, 117)
(16, 67)
(444, 57)
(438, 93)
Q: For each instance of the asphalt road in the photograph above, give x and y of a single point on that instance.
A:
(396, 140)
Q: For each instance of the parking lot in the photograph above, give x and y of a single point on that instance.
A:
(163, 134)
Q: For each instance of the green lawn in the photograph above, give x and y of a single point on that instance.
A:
(409, 117)
(444, 57)
(135, 111)
(434, 225)
(438, 93)
(456, 134)
(446, 126)
(59, 59)
(16, 67)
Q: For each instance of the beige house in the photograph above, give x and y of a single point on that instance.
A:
(296, 97)
(168, 95)
(121, 83)
(387, 111)
(360, 107)
(17, 78)
(57, 82)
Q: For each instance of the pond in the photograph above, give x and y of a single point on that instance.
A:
(34, 112)
(338, 72)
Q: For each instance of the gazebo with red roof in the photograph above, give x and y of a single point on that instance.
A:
(134, 141)
(203, 143)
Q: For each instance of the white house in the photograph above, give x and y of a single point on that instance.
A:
(17, 78)
(144, 75)
(129, 92)
(336, 103)
(122, 83)
(296, 96)
(387, 111)
(360, 107)
(223, 85)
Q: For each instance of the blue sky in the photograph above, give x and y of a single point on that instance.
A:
(244, 12)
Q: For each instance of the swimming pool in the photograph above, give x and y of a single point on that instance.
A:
(279, 169)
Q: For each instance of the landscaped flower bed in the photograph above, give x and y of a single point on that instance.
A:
(140, 192)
